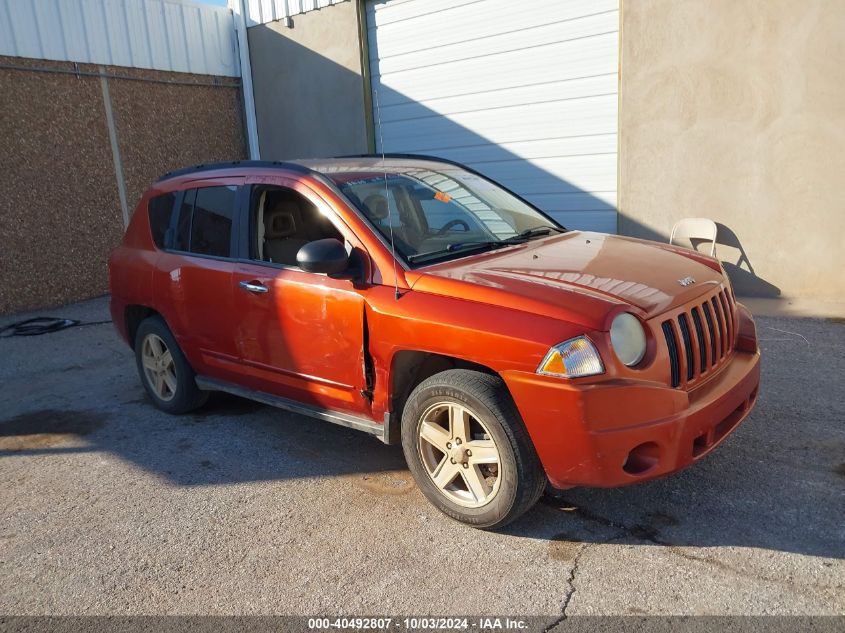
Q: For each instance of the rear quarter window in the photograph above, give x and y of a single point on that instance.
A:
(160, 210)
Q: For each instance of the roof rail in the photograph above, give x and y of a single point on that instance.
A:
(265, 164)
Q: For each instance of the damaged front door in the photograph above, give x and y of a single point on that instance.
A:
(300, 334)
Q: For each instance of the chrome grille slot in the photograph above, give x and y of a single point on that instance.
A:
(672, 346)
(717, 310)
(699, 334)
(729, 315)
(685, 334)
(714, 335)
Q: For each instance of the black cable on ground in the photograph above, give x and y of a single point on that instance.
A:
(43, 325)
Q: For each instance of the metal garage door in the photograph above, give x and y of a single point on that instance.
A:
(525, 92)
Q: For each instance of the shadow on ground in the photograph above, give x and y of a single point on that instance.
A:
(230, 440)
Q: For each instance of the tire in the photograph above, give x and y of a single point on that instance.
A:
(463, 402)
(176, 392)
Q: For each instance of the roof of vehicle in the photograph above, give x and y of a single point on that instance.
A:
(318, 165)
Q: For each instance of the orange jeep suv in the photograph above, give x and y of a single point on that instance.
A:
(414, 299)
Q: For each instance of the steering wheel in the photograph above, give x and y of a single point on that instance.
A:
(450, 224)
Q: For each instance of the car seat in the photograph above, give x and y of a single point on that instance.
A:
(282, 240)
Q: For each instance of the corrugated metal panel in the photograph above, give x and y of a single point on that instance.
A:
(263, 11)
(161, 34)
(525, 93)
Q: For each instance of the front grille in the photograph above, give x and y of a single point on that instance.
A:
(699, 344)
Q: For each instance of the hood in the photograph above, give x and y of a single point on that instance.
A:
(578, 276)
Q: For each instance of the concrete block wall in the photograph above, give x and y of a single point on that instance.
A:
(60, 207)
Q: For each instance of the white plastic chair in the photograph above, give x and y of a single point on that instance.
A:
(694, 230)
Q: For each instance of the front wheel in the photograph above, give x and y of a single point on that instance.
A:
(468, 450)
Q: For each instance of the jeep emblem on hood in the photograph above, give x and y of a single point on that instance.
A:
(686, 281)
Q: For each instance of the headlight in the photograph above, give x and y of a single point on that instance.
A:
(574, 358)
(627, 337)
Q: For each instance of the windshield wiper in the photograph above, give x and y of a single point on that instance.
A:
(536, 231)
(524, 236)
(530, 234)
(457, 246)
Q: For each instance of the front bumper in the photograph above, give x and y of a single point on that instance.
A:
(621, 432)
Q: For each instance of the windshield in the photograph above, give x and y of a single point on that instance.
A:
(442, 214)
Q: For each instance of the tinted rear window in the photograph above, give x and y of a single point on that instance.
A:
(161, 208)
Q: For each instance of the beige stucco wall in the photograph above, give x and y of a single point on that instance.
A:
(735, 110)
(308, 84)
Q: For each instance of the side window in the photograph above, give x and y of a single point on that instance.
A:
(160, 210)
(204, 225)
(211, 225)
(283, 221)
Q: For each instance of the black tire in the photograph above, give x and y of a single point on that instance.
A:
(521, 477)
(186, 396)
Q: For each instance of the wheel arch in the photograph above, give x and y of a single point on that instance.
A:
(408, 368)
(133, 316)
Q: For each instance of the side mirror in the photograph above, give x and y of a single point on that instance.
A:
(323, 256)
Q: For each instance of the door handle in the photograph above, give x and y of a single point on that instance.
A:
(253, 286)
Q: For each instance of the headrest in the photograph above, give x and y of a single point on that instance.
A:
(279, 222)
(376, 206)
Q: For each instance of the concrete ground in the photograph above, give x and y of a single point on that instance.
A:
(112, 507)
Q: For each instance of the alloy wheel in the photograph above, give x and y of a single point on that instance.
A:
(159, 369)
(459, 454)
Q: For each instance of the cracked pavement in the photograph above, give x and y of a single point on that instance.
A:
(112, 507)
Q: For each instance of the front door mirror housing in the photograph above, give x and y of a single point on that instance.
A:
(327, 256)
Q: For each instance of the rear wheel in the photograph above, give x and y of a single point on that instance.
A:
(164, 370)
(468, 450)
